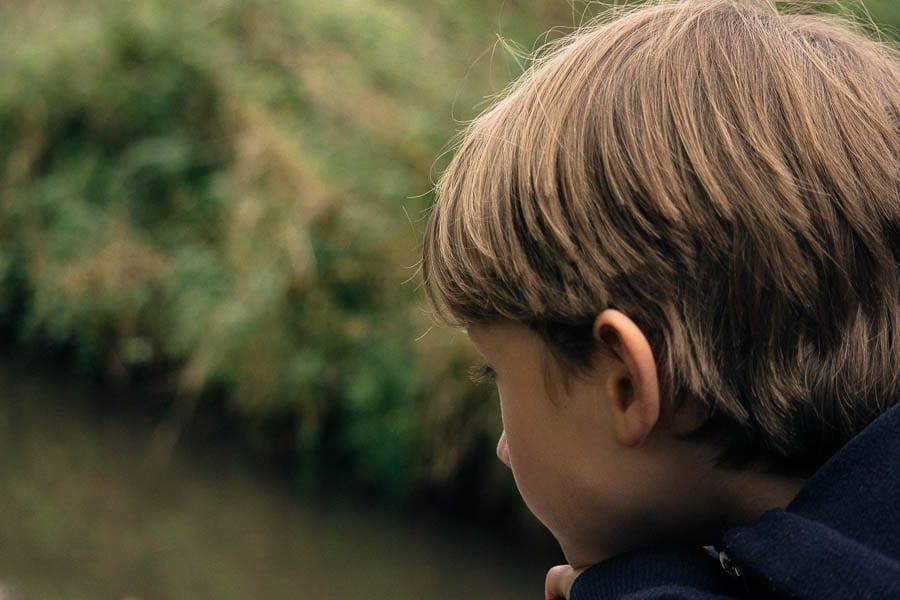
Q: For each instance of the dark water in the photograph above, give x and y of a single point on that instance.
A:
(83, 514)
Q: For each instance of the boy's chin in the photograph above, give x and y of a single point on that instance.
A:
(580, 555)
(579, 559)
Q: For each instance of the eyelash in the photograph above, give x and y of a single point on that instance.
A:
(484, 375)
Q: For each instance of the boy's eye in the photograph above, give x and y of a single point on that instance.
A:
(484, 374)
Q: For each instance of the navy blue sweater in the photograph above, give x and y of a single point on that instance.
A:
(839, 539)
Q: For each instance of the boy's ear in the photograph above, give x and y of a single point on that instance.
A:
(631, 384)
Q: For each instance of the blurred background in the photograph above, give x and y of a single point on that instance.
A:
(218, 377)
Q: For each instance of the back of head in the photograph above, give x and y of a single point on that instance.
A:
(725, 175)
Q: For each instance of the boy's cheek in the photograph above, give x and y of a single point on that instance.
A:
(589, 526)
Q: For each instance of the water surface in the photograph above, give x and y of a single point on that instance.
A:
(83, 514)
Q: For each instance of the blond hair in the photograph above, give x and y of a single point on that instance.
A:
(725, 175)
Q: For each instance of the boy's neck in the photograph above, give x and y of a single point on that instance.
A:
(747, 494)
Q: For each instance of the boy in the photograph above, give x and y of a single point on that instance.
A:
(675, 243)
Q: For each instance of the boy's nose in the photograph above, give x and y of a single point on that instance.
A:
(502, 449)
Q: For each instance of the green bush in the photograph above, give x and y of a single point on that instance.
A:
(232, 193)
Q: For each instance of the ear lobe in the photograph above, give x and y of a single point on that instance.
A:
(634, 387)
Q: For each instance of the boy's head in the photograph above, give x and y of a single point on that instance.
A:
(726, 177)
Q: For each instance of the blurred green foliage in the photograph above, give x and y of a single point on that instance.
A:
(231, 193)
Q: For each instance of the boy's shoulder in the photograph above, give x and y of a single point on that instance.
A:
(840, 538)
